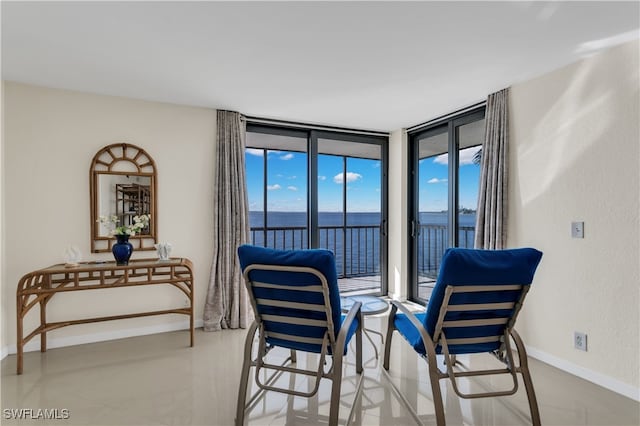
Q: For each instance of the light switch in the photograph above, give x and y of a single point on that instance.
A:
(577, 229)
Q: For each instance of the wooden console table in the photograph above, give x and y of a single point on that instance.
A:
(40, 286)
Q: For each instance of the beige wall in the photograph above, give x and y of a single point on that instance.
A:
(575, 157)
(397, 275)
(3, 322)
(50, 138)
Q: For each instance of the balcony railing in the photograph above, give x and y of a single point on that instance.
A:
(433, 240)
(357, 247)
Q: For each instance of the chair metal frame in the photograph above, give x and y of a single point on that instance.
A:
(335, 343)
(503, 354)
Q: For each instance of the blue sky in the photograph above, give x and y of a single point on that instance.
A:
(287, 182)
(434, 183)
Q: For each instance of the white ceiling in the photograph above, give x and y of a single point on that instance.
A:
(369, 65)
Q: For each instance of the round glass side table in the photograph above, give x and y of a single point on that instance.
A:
(371, 305)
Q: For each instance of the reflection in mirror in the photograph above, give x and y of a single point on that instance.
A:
(122, 184)
(124, 196)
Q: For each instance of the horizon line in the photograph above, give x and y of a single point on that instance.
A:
(338, 211)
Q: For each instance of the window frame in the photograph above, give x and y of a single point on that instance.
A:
(451, 123)
(313, 135)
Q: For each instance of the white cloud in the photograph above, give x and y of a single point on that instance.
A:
(292, 188)
(442, 159)
(286, 157)
(351, 177)
(465, 156)
(273, 187)
(292, 177)
(255, 151)
(436, 180)
(322, 178)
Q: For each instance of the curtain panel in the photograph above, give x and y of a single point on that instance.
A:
(227, 304)
(491, 217)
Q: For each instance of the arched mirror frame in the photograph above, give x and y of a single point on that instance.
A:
(105, 162)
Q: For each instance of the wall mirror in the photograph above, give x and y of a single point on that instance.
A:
(122, 184)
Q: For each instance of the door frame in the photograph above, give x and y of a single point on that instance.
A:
(312, 135)
(383, 142)
(449, 125)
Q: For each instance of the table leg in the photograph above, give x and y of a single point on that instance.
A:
(43, 323)
(366, 330)
(191, 320)
(19, 337)
(366, 333)
(378, 333)
(191, 325)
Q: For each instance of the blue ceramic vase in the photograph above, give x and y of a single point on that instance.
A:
(122, 250)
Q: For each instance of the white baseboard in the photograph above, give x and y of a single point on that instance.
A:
(584, 373)
(101, 337)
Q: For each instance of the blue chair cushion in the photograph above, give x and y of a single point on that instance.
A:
(473, 267)
(409, 331)
(307, 347)
(411, 334)
(322, 260)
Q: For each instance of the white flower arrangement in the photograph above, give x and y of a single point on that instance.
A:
(139, 223)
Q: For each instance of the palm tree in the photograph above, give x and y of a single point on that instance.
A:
(477, 157)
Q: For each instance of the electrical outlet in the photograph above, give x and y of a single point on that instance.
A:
(580, 341)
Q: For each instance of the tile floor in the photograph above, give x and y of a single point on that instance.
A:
(159, 380)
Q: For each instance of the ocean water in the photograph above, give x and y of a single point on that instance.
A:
(357, 246)
(284, 219)
(299, 219)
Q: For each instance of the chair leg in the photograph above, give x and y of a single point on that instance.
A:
(244, 375)
(387, 341)
(437, 394)
(336, 385)
(359, 344)
(434, 378)
(526, 377)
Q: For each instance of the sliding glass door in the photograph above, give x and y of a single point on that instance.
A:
(444, 181)
(351, 213)
(321, 189)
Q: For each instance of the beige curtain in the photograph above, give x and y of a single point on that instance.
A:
(227, 304)
(491, 218)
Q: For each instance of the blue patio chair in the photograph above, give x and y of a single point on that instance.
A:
(472, 309)
(296, 302)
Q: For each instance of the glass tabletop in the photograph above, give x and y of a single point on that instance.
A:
(371, 305)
